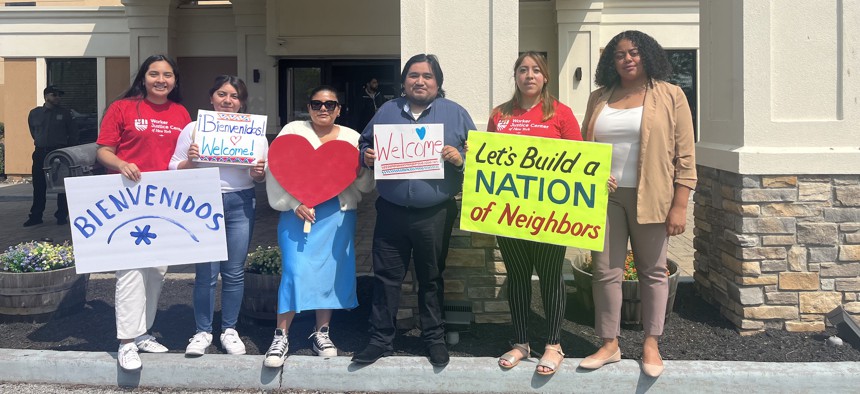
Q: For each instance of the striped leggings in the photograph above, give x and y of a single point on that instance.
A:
(521, 257)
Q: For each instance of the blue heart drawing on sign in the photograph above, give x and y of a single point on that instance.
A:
(421, 131)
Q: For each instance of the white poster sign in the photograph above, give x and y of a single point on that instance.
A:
(230, 138)
(168, 218)
(409, 151)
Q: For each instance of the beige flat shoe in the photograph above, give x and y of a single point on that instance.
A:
(652, 370)
(547, 363)
(518, 353)
(592, 362)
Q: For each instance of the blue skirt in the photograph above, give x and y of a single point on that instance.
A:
(318, 267)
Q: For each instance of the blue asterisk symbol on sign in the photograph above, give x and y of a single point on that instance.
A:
(142, 235)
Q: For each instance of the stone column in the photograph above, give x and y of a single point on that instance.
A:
(150, 30)
(777, 208)
(477, 54)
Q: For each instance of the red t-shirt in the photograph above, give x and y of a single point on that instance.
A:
(563, 125)
(143, 133)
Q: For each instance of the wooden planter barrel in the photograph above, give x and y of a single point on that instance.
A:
(631, 305)
(260, 300)
(38, 296)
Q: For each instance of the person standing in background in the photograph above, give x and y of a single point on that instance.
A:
(51, 127)
(370, 101)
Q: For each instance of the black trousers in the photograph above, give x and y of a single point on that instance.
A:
(521, 258)
(402, 233)
(40, 187)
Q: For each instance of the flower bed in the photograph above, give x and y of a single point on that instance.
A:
(38, 280)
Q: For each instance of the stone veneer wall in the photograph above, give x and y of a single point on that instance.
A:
(778, 252)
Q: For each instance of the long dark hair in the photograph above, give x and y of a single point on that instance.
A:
(237, 83)
(434, 66)
(548, 105)
(138, 85)
(651, 54)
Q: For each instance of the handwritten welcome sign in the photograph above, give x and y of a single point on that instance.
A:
(168, 218)
(230, 138)
(409, 151)
(539, 189)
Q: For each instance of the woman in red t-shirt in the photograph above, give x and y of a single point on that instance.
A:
(533, 111)
(138, 134)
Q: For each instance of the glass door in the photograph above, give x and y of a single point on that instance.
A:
(347, 76)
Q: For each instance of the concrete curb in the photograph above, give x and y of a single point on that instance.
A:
(415, 374)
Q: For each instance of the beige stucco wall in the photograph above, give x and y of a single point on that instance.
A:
(20, 74)
(2, 90)
(341, 28)
(538, 33)
(476, 54)
(779, 87)
(585, 26)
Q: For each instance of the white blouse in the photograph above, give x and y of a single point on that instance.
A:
(620, 127)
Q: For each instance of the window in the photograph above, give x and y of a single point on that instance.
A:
(77, 79)
(684, 65)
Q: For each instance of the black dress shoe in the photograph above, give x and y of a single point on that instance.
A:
(370, 354)
(32, 222)
(62, 221)
(438, 355)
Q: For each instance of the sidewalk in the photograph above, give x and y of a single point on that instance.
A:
(414, 374)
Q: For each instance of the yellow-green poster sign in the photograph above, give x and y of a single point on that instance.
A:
(539, 189)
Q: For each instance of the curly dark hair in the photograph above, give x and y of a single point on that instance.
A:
(653, 57)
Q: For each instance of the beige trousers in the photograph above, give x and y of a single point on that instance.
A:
(137, 292)
(649, 243)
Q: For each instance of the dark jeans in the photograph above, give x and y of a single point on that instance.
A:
(40, 186)
(423, 235)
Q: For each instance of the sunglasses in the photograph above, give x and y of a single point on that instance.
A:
(330, 105)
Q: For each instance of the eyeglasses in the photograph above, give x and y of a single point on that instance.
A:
(621, 55)
(330, 105)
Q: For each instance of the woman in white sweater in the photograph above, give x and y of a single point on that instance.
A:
(228, 94)
(318, 271)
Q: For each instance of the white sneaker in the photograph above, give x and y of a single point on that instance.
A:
(277, 352)
(198, 343)
(147, 343)
(231, 342)
(127, 357)
(323, 346)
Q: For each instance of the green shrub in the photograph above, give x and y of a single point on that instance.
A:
(265, 261)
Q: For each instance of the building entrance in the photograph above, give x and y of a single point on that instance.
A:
(296, 78)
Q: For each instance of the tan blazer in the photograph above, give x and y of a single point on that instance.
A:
(667, 153)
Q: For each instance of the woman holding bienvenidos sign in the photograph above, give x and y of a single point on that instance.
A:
(534, 112)
(648, 122)
(228, 94)
(138, 134)
(314, 180)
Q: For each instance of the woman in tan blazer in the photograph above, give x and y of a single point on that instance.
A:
(648, 122)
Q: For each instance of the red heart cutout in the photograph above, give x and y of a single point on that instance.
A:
(312, 176)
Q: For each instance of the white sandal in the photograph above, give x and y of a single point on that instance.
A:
(512, 359)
